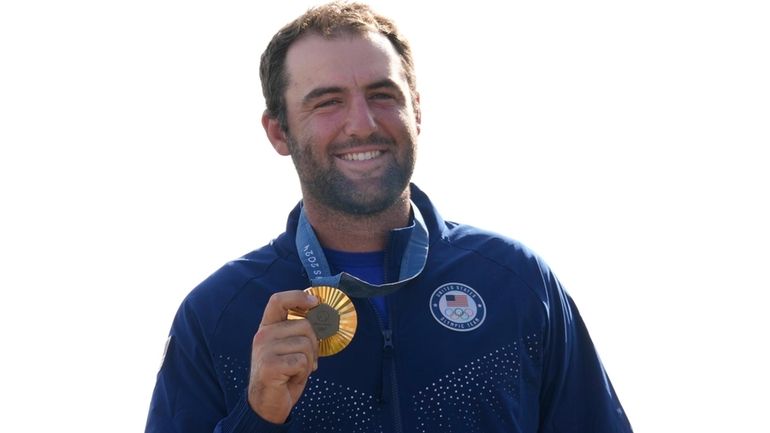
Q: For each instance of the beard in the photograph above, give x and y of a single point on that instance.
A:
(325, 183)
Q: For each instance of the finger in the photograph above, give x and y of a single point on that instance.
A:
(287, 365)
(287, 328)
(289, 336)
(295, 343)
(277, 308)
(284, 359)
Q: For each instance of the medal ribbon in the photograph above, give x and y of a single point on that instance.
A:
(312, 256)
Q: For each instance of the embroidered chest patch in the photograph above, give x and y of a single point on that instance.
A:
(458, 307)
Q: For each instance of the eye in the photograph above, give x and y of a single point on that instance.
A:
(382, 96)
(328, 103)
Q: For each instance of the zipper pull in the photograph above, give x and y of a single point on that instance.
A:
(387, 365)
(387, 336)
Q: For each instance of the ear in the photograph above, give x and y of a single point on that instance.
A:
(417, 111)
(275, 134)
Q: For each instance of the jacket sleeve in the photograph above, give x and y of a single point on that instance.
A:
(188, 397)
(576, 394)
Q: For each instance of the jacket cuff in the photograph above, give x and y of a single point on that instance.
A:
(242, 419)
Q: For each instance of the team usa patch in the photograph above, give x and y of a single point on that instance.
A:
(458, 307)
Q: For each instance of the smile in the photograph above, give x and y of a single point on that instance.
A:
(361, 156)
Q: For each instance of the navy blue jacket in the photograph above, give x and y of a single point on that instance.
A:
(484, 340)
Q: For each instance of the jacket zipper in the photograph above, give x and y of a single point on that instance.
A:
(388, 363)
(389, 392)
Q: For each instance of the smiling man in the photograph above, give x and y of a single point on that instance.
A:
(411, 323)
(351, 127)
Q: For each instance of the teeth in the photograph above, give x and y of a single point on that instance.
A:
(363, 156)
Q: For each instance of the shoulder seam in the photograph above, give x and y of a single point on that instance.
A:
(502, 265)
(238, 291)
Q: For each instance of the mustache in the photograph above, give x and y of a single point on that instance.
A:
(354, 142)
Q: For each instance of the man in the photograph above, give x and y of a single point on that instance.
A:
(458, 330)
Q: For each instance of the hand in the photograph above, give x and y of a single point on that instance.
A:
(283, 354)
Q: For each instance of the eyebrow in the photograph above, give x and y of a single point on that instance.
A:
(386, 82)
(321, 91)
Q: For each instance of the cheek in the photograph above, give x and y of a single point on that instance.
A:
(396, 119)
(323, 129)
(409, 123)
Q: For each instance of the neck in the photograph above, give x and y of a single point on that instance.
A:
(356, 233)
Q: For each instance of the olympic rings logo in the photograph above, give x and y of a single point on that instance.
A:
(459, 314)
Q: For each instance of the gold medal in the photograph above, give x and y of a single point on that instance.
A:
(334, 319)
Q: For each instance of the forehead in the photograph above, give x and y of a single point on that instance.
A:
(346, 61)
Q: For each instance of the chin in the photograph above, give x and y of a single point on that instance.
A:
(365, 201)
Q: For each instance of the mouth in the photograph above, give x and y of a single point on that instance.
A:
(360, 156)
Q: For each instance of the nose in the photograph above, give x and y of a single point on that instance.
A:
(360, 121)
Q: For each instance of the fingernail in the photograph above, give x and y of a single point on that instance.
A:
(312, 299)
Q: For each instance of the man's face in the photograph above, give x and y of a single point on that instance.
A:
(352, 122)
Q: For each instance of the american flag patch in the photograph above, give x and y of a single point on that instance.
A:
(456, 300)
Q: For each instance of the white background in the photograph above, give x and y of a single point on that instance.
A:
(623, 141)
